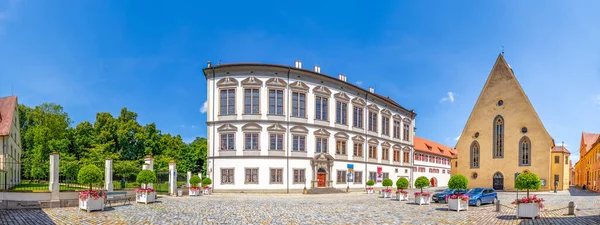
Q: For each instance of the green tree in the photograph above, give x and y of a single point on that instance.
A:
(387, 182)
(127, 168)
(421, 182)
(146, 177)
(458, 181)
(402, 183)
(151, 140)
(528, 181)
(206, 181)
(199, 149)
(195, 180)
(90, 175)
(370, 183)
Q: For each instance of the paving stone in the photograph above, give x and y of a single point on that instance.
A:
(352, 208)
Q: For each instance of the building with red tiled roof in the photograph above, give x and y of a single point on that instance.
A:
(587, 169)
(432, 160)
(10, 143)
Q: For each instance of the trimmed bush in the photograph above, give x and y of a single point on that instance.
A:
(146, 177)
(458, 181)
(528, 181)
(402, 183)
(370, 183)
(421, 182)
(206, 181)
(387, 182)
(90, 175)
(195, 180)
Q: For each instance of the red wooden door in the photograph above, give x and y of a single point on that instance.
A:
(321, 178)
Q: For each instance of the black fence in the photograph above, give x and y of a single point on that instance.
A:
(68, 172)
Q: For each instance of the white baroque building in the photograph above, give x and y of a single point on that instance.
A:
(432, 160)
(282, 128)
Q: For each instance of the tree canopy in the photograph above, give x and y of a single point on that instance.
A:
(528, 181)
(48, 128)
(458, 181)
(421, 182)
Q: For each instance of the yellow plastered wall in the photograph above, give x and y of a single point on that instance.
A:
(517, 112)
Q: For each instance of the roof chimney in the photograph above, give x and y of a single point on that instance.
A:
(317, 69)
(371, 89)
(342, 77)
(298, 64)
(208, 64)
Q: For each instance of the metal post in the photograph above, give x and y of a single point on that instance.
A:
(498, 205)
(571, 208)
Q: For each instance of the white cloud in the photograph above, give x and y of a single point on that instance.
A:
(359, 83)
(456, 138)
(449, 98)
(204, 107)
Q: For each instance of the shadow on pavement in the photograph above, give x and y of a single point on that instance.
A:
(24, 216)
(574, 191)
(579, 220)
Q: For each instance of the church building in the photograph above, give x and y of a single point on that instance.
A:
(504, 137)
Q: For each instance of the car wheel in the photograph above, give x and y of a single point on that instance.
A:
(478, 203)
(436, 201)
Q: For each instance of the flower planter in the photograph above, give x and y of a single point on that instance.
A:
(91, 204)
(370, 190)
(194, 191)
(401, 197)
(145, 197)
(422, 200)
(385, 194)
(458, 204)
(207, 190)
(528, 210)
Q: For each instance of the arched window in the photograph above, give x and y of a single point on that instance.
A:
(499, 137)
(475, 154)
(525, 152)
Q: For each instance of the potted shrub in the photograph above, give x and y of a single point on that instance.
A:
(422, 197)
(387, 193)
(90, 200)
(528, 207)
(143, 194)
(401, 184)
(370, 184)
(205, 186)
(194, 187)
(458, 201)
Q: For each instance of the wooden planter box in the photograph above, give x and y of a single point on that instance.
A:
(457, 204)
(91, 204)
(422, 200)
(145, 197)
(402, 197)
(195, 192)
(528, 210)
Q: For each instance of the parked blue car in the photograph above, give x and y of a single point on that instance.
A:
(482, 195)
(441, 197)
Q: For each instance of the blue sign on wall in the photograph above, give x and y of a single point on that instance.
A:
(350, 166)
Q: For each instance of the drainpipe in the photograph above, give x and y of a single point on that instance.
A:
(287, 134)
(365, 145)
(214, 127)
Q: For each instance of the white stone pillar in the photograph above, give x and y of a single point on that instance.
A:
(172, 178)
(54, 185)
(150, 161)
(108, 175)
(200, 175)
(189, 176)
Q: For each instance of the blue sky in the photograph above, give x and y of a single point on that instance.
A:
(92, 56)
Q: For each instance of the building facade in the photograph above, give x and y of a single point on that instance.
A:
(587, 169)
(275, 127)
(432, 160)
(10, 138)
(504, 137)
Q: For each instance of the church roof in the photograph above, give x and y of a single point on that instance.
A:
(434, 148)
(7, 111)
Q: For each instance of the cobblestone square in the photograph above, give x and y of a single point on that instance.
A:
(352, 208)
